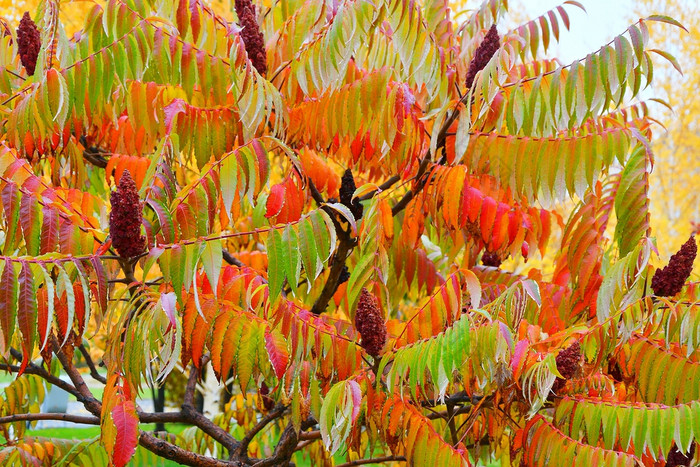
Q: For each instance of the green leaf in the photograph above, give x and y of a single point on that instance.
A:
(276, 264)
(667, 20)
(8, 303)
(212, 256)
(670, 58)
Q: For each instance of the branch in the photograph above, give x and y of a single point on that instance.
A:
(162, 417)
(384, 186)
(30, 417)
(376, 460)
(93, 370)
(403, 202)
(442, 135)
(275, 413)
(42, 373)
(456, 398)
(337, 264)
(83, 392)
(175, 453)
(315, 194)
(190, 415)
(230, 259)
(286, 445)
(94, 154)
(192, 383)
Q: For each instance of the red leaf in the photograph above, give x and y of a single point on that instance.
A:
(49, 230)
(101, 278)
(8, 303)
(42, 314)
(277, 351)
(275, 201)
(61, 313)
(499, 235)
(171, 111)
(26, 314)
(79, 307)
(126, 421)
(488, 217)
(471, 204)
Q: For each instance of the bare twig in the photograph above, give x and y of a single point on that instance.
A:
(337, 264)
(30, 417)
(84, 395)
(275, 413)
(230, 259)
(93, 370)
(375, 460)
(286, 445)
(170, 451)
(33, 369)
(384, 186)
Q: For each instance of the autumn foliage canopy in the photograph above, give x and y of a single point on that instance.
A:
(381, 231)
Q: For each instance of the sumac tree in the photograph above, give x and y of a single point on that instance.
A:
(327, 208)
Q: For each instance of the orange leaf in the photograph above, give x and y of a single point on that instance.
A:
(277, 351)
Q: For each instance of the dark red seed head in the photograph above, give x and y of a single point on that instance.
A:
(483, 54)
(668, 281)
(125, 218)
(369, 322)
(28, 43)
(252, 36)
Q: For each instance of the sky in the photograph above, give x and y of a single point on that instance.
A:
(604, 20)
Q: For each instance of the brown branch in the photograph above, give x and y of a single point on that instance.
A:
(162, 417)
(337, 264)
(286, 446)
(384, 186)
(167, 450)
(315, 194)
(84, 395)
(451, 422)
(376, 460)
(42, 373)
(311, 435)
(190, 415)
(422, 181)
(30, 417)
(303, 444)
(93, 370)
(275, 413)
(460, 397)
(230, 259)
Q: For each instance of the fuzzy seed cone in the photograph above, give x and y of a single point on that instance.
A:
(251, 35)
(676, 458)
(369, 322)
(483, 54)
(568, 364)
(125, 218)
(569, 360)
(490, 258)
(670, 280)
(347, 188)
(28, 43)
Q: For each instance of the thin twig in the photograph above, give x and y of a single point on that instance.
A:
(275, 413)
(30, 417)
(93, 370)
(375, 460)
(230, 259)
